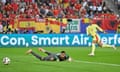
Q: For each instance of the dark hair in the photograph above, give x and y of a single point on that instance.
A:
(62, 51)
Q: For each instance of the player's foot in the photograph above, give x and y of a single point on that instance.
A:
(40, 49)
(29, 51)
(113, 46)
(91, 54)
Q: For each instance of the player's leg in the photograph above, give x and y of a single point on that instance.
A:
(105, 45)
(93, 47)
(50, 57)
(48, 53)
(93, 50)
(34, 54)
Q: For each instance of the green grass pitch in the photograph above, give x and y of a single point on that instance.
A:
(105, 60)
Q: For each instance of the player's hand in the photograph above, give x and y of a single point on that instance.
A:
(70, 59)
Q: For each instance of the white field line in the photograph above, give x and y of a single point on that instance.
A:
(98, 63)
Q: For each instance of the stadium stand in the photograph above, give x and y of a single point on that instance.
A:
(13, 10)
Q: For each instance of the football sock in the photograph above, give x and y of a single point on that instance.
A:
(106, 45)
(93, 48)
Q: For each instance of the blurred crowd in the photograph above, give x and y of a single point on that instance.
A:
(117, 3)
(74, 9)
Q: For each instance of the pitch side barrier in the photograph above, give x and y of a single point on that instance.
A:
(54, 39)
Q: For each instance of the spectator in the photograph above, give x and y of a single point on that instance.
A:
(56, 11)
(14, 6)
(119, 5)
(3, 2)
(1, 15)
(1, 28)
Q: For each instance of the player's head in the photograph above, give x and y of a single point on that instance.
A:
(62, 51)
(62, 54)
(92, 21)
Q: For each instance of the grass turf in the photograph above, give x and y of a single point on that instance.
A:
(105, 60)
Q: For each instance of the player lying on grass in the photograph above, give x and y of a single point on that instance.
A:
(92, 31)
(62, 56)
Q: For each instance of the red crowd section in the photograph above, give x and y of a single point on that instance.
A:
(52, 8)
